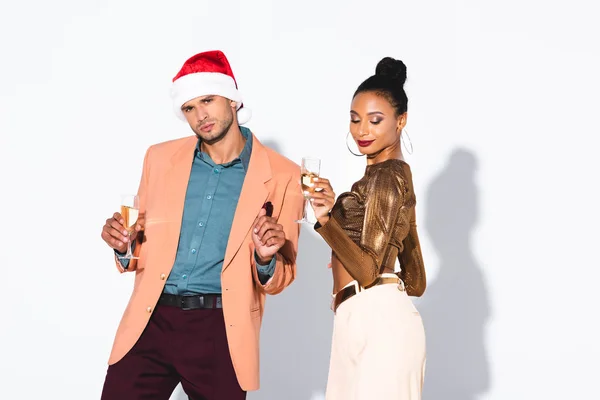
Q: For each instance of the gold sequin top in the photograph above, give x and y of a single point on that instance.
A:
(374, 224)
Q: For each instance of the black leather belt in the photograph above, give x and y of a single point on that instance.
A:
(191, 302)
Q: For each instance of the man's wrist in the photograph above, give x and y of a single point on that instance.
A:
(263, 261)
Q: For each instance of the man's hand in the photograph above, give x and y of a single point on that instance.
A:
(268, 237)
(115, 234)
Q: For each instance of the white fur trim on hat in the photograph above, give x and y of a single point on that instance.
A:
(243, 115)
(198, 84)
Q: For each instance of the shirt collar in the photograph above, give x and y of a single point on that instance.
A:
(247, 150)
(244, 156)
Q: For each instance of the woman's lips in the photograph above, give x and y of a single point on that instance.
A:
(365, 143)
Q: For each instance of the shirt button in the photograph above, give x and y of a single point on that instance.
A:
(184, 276)
(209, 197)
(162, 276)
(149, 309)
(216, 170)
(193, 251)
(200, 223)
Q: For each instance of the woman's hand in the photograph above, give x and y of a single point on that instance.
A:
(322, 199)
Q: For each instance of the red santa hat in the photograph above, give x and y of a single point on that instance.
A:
(205, 74)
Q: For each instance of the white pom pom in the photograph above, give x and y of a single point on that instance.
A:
(243, 115)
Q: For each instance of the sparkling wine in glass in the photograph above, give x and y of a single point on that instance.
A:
(309, 170)
(130, 210)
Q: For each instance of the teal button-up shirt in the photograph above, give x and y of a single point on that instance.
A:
(210, 202)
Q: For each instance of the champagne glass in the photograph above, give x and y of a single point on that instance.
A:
(130, 209)
(309, 170)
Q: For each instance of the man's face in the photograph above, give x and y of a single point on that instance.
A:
(210, 117)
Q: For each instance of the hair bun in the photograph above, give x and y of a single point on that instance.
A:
(391, 68)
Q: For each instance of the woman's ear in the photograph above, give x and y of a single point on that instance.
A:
(402, 121)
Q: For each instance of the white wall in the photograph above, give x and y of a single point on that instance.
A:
(504, 122)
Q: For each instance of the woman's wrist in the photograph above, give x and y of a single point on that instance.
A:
(324, 219)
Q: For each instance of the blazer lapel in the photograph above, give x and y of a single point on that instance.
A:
(252, 197)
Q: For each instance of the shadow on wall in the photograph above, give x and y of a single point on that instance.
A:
(297, 328)
(455, 307)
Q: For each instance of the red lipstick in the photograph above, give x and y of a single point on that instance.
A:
(365, 143)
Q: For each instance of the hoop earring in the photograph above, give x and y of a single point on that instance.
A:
(349, 149)
(405, 132)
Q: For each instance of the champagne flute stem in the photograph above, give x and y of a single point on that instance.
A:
(306, 205)
(129, 255)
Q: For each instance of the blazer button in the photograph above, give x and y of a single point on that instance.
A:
(149, 309)
(162, 277)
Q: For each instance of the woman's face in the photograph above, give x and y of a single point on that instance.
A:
(374, 124)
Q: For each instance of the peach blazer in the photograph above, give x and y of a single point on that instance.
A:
(270, 177)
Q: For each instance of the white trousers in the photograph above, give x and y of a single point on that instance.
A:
(378, 347)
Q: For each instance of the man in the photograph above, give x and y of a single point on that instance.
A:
(209, 249)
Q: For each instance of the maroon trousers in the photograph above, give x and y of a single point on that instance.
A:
(187, 346)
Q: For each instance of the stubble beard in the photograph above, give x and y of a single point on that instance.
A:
(218, 132)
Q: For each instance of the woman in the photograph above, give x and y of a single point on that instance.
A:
(378, 348)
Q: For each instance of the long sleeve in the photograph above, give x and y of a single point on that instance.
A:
(411, 261)
(125, 262)
(384, 200)
(265, 272)
(284, 270)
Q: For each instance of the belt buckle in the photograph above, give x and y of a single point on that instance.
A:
(183, 306)
(188, 308)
